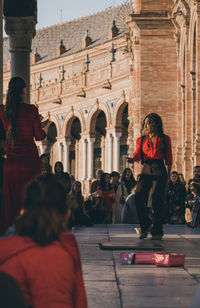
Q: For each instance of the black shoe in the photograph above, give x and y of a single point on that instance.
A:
(144, 234)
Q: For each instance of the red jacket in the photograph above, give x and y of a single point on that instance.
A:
(49, 276)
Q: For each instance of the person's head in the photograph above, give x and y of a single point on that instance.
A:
(181, 177)
(15, 96)
(115, 176)
(194, 188)
(99, 173)
(65, 180)
(174, 177)
(152, 124)
(45, 159)
(196, 172)
(45, 210)
(127, 175)
(104, 180)
(76, 188)
(58, 167)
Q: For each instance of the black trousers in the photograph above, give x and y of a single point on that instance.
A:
(153, 176)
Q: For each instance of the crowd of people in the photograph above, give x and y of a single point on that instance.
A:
(40, 203)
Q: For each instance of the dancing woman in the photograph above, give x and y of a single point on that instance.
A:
(153, 149)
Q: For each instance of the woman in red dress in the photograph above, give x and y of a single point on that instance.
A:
(22, 124)
(153, 149)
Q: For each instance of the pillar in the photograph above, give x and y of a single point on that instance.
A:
(90, 157)
(21, 31)
(60, 151)
(109, 152)
(116, 150)
(84, 158)
(66, 145)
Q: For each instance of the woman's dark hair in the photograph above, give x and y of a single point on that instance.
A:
(178, 179)
(124, 179)
(13, 101)
(44, 210)
(45, 155)
(102, 181)
(195, 187)
(60, 164)
(114, 173)
(78, 195)
(156, 125)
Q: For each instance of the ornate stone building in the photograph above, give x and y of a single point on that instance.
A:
(98, 76)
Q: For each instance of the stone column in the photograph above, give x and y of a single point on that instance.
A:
(21, 30)
(110, 152)
(60, 151)
(90, 157)
(66, 145)
(116, 150)
(84, 158)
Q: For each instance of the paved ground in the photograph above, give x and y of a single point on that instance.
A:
(112, 285)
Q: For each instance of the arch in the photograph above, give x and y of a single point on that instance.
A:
(118, 112)
(66, 129)
(54, 120)
(93, 114)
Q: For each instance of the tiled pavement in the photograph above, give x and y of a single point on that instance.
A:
(112, 285)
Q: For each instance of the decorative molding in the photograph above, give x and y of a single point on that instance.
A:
(85, 112)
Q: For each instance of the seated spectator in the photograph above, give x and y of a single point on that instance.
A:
(108, 196)
(45, 164)
(76, 203)
(175, 200)
(96, 182)
(193, 206)
(58, 168)
(120, 196)
(94, 207)
(196, 177)
(11, 295)
(128, 180)
(42, 257)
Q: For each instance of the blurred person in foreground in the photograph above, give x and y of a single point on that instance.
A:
(43, 257)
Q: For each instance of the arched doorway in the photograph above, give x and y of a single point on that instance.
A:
(51, 144)
(99, 120)
(75, 135)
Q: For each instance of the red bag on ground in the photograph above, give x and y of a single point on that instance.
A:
(126, 258)
(169, 259)
(144, 257)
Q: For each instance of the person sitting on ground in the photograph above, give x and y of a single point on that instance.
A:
(120, 196)
(96, 182)
(43, 257)
(193, 205)
(181, 178)
(196, 177)
(94, 207)
(108, 194)
(128, 180)
(175, 200)
(45, 164)
(76, 202)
